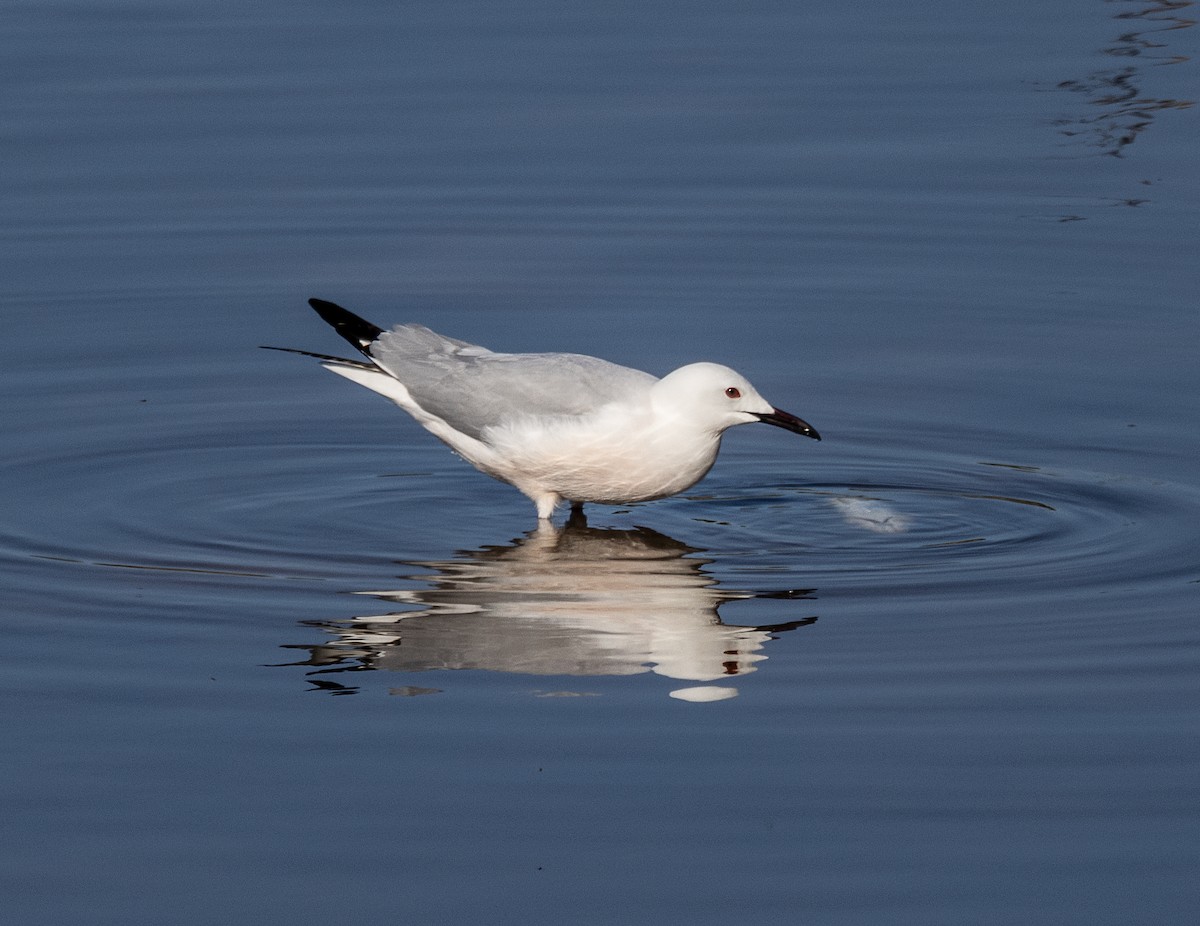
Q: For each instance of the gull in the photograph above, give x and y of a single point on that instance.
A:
(558, 427)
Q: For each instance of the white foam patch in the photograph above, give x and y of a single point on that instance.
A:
(704, 693)
(871, 514)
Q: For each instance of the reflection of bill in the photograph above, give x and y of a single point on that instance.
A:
(581, 601)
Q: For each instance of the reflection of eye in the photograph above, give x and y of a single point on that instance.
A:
(733, 392)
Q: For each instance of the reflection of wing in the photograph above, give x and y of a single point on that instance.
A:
(472, 388)
(580, 602)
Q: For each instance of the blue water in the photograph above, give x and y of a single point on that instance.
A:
(271, 654)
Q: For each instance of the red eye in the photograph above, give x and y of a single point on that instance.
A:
(733, 392)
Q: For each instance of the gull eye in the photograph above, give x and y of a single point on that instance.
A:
(733, 392)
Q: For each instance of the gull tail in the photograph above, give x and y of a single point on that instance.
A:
(365, 374)
(361, 334)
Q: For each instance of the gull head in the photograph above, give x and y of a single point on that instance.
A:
(714, 397)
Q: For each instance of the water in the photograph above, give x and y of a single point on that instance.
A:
(272, 654)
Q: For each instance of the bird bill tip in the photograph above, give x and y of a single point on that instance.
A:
(789, 422)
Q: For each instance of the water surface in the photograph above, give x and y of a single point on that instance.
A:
(272, 654)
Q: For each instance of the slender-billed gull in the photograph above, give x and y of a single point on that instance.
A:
(559, 427)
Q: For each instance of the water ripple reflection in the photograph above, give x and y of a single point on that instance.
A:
(952, 527)
(292, 528)
(1121, 109)
(580, 601)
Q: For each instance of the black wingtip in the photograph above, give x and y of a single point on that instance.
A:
(358, 331)
(326, 358)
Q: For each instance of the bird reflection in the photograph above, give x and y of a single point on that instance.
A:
(579, 601)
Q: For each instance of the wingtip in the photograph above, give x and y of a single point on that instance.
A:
(324, 358)
(358, 331)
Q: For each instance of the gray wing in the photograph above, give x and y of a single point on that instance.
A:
(472, 388)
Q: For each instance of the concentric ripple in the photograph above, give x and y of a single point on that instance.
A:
(340, 511)
(250, 511)
(940, 523)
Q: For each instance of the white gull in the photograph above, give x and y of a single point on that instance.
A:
(559, 427)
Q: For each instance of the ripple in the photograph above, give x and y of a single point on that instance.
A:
(252, 511)
(921, 520)
(942, 524)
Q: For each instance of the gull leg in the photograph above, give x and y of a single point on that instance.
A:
(546, 503)
(577, 517)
